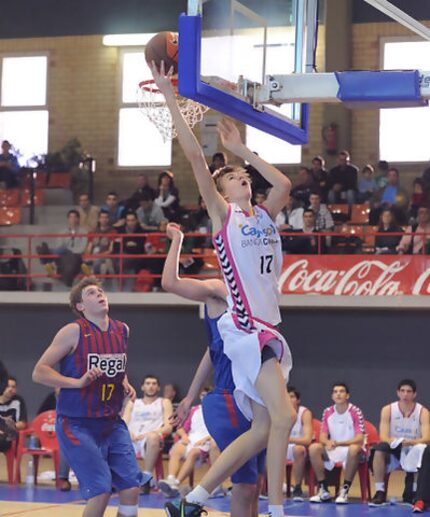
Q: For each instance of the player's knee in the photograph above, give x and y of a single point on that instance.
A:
(153, 440)
(244, 493)
(354, 450)
(315, 449)
(283, 421)
(129, 497)
(298, 452)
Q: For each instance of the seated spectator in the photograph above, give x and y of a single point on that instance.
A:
(404, 430)
(149, 214)
(323, 217)
(341, 440)
(115, 210)
(170, 391)
(291, 217)
(219, 160)
(300, 438)
(8, 430)
(88, 213)
(143, 189)
(417, 199)
(391, 196)
(320, 176)
(305, 241)
(9, 166)
(200, 222)
(366, 184)
(69, 248)
(387, 244)
(190, 450)
(148, 421)
(381, 174)
(416, 240)
(259, 197)
(304, 187)
(99, 247)
(167, 196)
(342, 181)
(12, 406)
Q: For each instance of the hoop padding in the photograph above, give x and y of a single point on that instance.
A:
(153, 104)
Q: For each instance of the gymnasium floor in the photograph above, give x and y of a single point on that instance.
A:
(45, 501)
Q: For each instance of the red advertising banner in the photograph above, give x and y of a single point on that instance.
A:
(356, 275)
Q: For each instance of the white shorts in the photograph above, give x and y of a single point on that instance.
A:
(410, 459)
(337, 455)
(204, 452)
(140, 447)
(290, 454)
(244, 351)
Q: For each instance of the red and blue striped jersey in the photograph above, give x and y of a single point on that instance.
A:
(106, 350)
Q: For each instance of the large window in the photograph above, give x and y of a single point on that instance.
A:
(139, 142)
(403, 132)
(24, 116)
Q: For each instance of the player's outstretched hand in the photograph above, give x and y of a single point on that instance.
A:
(229, 134)
(162, 79)
(89, 377)
(173, 230)
(180, 414)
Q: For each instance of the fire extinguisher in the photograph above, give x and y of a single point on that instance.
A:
(329, 134)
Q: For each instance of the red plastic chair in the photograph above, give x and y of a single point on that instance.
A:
(9, 215)
(43, 426)
(10, 197)
(360, 214)
(10, 462)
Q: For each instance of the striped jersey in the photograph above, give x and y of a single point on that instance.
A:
(250, 256)
(405, 426)
(342, 426)
(106, 350)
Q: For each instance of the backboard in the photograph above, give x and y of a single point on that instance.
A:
(227, 47)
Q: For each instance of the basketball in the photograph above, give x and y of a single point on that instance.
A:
(163, 47)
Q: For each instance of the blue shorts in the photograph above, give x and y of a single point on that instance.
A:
(100, 452)
(225, 423)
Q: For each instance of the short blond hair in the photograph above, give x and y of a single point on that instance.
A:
(223, 171)
(75, 296)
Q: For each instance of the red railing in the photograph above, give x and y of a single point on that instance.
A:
(156, 245)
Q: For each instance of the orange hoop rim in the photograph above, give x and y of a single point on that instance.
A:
(147, 85)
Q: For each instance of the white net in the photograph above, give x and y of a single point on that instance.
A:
(153, 105)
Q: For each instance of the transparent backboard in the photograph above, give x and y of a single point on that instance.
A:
(236, 44)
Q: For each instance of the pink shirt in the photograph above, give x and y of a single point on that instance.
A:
(342, 426)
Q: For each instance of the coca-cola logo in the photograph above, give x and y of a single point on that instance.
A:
(365, 277)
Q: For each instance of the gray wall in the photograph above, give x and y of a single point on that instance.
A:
(370, 350)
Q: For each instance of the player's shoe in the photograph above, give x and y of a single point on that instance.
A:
(169, 487)
(323, 496)
(342, 497)
(297, 494)
(419, 506)
(379, 499)
(145, 483)
(181, 508)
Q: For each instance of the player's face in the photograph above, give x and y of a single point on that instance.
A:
(94, 301)
(150, 387)
(339, 395)
(236, 186)
(406, 394)
(294, 400)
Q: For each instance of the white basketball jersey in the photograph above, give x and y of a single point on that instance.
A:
(146, 417)
(250, 255)
(402, 426)
(198, 429)
(297, 430)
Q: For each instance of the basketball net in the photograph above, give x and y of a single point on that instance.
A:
(153, 104)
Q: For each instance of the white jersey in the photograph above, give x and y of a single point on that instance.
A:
(405, 426)
(146, 417)
(250, 255)
(198, 429)
(297, 430)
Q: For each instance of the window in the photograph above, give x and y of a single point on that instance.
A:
(403, 133)
(24, 118)
(139, 142)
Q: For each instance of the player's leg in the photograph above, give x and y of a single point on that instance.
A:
(317, 456)
(188, 465)
(176, 456)
(128, 502)
(351, 466)
(298, 470)
(152, 451)
(96, 506)
(242, 497)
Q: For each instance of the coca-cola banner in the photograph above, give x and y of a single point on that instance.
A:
(356, 275)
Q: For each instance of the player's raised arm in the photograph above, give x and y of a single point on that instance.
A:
(278, 196)
(216, 205)
(190, 288)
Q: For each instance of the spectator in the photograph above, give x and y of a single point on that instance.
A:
(100, 246)
(323, 217)
(305, 241)
(320, 176)
(9, 166)
(192, 449)
(200, 222)
(302, 191)
(341, 440)
(387, 244)
(391, 196)
(300, 438)
(417, 236)
(342, 180)
(167, 196)
(69, 248)
(143, 189)
(219, 160)
(417, 199)
(88, 213)
(170, 391)
(291, 217)
(115, 210)
(12, 406)
(130, 244)
(7, 425)
(382, 172)
(148, 421)
(259, 197)
(404, 429)
(149, 214)
(367, 184)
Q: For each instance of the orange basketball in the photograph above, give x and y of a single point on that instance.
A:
(163, 47)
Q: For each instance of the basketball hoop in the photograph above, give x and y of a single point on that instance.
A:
(153, 104)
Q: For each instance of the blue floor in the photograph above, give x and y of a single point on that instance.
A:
(354, 509)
